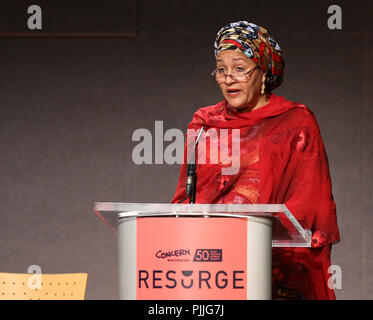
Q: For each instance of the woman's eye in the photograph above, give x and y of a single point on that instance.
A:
(221, 70)
(240, 69)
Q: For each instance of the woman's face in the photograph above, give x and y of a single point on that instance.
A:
(242, 93)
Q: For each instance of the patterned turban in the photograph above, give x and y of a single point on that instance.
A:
(255, 42)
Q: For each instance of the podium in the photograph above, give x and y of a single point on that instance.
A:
(199, 251)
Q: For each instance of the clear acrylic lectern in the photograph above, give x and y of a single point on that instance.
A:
(199, 251)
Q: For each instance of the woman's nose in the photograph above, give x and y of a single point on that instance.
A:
(229, 79)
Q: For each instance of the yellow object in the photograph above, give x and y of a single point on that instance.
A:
(33, 286)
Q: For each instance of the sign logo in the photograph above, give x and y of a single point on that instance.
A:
(178, 255)
(181, 255)
(208, 255)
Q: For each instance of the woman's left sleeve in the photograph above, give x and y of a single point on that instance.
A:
(310, 196)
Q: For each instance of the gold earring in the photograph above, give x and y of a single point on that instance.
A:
(263, 88)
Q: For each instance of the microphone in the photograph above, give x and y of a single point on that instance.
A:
(191, 184)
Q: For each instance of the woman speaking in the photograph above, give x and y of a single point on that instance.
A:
(282, 156)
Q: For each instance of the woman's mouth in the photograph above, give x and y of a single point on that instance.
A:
(233, 92)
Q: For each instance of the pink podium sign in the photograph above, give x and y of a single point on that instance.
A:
(191, 258)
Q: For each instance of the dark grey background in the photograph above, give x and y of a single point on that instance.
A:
(68, 107)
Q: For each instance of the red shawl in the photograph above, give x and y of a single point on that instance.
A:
(282, 160)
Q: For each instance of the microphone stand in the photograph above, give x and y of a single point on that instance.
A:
(191, 185)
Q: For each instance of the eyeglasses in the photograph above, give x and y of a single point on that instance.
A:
(239, 74)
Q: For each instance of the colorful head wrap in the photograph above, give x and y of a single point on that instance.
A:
(255, 42)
